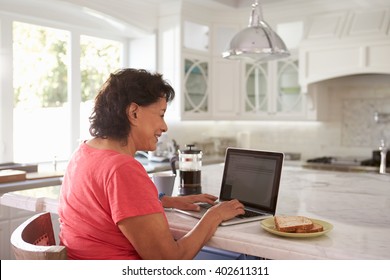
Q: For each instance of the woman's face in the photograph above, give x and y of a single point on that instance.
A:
(148, 125)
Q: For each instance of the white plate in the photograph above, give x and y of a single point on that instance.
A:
(269, 225)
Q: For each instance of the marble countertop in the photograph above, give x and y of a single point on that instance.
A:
(29, 184)
(356, 204)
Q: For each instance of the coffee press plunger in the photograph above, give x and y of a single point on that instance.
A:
(190, 164)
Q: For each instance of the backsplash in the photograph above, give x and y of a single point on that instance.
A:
(359, 127)
(360, 97)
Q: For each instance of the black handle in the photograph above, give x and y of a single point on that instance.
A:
(173, 164)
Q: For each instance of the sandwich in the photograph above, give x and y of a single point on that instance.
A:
(315, 228)
(296, 224)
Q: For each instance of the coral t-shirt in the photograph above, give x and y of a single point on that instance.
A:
(101, 188)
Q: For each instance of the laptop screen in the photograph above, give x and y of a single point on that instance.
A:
(252, 177)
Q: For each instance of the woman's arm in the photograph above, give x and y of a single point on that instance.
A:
(151, 237)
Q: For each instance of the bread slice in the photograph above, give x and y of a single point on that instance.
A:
(316, 228)
(293, 223)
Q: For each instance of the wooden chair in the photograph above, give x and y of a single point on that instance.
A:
(34, 240)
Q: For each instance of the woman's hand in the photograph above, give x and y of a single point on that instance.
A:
(227, 210)
(187, 202)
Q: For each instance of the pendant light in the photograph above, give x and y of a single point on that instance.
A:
(257, 42)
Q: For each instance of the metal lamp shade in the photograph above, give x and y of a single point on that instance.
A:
(257, 42)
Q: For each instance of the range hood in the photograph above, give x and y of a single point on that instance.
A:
(343, 44)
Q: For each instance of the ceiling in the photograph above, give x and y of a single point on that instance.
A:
(135, 17)
(247, 3)
(227, 3)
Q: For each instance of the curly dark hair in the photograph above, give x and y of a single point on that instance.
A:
(109, 118)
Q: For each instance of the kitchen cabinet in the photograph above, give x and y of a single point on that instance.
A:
(289, 97)
(243, 90)
(256, 88)
(211, 88)
(184, 58)
(226, 89)
(195, 69)
(195, 88)
(226, 79)
(271, 90)
(258, 91)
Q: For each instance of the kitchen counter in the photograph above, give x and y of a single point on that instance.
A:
(33, 180)
(356, 204)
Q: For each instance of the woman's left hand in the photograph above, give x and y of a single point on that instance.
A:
(188, 202)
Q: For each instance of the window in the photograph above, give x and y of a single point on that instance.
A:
(42, 108)
(40, 66)
(99, 58)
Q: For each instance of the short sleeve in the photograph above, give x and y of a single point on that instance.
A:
(132, 193)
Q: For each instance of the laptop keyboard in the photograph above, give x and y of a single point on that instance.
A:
(205, 205)
(247, 214)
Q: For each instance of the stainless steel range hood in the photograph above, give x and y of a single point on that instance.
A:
(345, 43)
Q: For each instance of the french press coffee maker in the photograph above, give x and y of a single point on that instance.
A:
(190, 164)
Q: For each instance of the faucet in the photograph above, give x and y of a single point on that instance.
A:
(382, 118)
(383, 151)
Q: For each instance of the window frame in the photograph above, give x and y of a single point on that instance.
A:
(74, 76)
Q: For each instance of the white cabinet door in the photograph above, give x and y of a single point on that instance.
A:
(256, 90)
(226, 95)
(289, 101)
(196, 88)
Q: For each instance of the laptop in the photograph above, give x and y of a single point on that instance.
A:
(252, 177)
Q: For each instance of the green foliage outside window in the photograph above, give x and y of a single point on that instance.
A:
(41, 65)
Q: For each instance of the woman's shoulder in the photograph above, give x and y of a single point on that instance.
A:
(117, 159)
(107, 157)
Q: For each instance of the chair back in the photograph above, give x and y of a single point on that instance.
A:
(34, 240)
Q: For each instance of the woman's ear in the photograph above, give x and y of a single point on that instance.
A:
(132, 111)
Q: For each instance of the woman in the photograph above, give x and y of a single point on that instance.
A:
(109, 208)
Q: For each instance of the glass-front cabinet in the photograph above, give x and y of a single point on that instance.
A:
(195, 71)
(256, 88)
(184, 59)
(289, 97)
(196, 86)
(271, 90)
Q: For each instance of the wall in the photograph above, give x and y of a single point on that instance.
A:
(350, 129)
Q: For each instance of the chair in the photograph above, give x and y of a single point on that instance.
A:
(34, 240)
